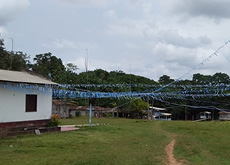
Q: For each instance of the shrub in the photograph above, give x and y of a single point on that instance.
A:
(107, 115)
(77, 114)
(54, 121)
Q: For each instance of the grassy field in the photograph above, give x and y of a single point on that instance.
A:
(122, 141)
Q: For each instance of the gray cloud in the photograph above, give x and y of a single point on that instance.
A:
(173, 38)
(141, 35)
(10, 9)
(149, 30)
(134, 1)
(173, 55)
(214, 9)
(85, 2)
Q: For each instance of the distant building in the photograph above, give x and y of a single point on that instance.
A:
(61, 108)
(25, 99)
(84, 111)
(159, 113)
(223, 115)
(205, 115)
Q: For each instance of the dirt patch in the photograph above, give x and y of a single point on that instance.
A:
(170, 156)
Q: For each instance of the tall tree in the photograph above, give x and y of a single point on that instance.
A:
(137, 107)
(201, 79)
(11, 60)
(19, 61)
(71, 67)
(69, 77)
(49, 65)
(4, 56)
(165, 79)
(220, 78)
(216, 78)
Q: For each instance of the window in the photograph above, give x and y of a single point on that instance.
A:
(31, 103)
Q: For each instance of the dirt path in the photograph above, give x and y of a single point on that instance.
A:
(170, 156)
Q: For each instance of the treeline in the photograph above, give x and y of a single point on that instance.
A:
(52, 67)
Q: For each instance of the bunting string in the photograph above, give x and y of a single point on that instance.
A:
(192, 106)
(27, 88)
(197, 66)
(170, 90)
(173, 91)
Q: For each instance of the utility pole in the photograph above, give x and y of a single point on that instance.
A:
(185, 114)
(148, 109)
(12, 44)
(87, 77)
(152, 110)
(90, 114)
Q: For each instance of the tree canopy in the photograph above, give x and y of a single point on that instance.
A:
(206, 79)
(12, 60)
(48, 65)
(165, 79)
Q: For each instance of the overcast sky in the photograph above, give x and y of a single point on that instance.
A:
(150, 38)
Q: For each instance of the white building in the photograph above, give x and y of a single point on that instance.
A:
(159, 113)
(25, 99)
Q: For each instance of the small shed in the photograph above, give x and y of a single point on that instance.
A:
(224, 116)
(83, 111)
(25, 99)
(61, 108)
(205, 115)
(165, 116)
(160, 114)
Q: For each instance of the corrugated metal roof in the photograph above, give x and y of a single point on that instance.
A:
(22, 77)
(84, 108)
(157, 108)
(224, 112)
(166, 114)
(58, 102)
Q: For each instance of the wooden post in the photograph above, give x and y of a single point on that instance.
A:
(185, 116)
(148, 109)
(152, 110)
(90, 114)
(212, 114)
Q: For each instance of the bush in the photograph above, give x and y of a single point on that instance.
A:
(107, 115)
(77, 114)
(54, 121)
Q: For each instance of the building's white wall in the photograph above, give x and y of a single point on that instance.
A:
(12, 106)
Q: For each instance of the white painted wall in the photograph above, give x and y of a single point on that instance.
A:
(12, 106)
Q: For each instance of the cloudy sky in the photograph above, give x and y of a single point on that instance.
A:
(150, 38)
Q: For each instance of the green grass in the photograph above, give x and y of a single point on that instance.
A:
(121, 141)
(201, 142)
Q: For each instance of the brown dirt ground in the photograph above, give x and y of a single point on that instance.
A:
(170, 156)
